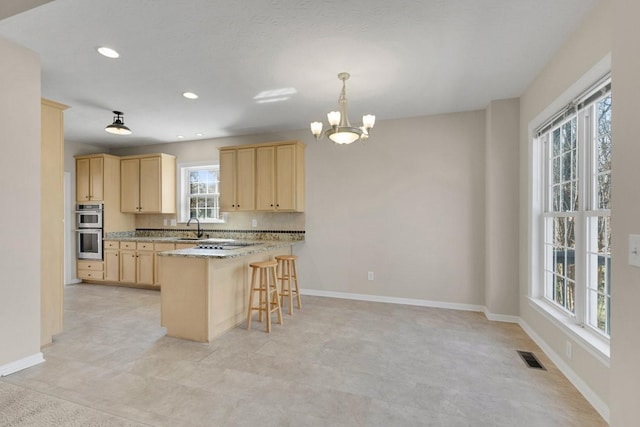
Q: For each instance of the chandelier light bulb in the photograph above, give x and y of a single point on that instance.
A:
(316, 128)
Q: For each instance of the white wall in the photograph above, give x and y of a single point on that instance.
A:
(578, 63)
(625, 322)
(408, 206)
(501, 226)
(19, 225)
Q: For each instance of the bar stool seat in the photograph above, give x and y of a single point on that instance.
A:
(267, 286)
(288, 277)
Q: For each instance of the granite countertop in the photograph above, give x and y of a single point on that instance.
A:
(249, 247)
(168, 240)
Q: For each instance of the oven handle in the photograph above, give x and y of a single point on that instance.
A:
(94, 230)
(90, 212)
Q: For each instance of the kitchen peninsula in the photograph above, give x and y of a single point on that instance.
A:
(204, 290)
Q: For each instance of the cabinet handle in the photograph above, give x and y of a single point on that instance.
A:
(271, 204)
(277, 206)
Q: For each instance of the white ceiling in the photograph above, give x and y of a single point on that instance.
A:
(406, 59)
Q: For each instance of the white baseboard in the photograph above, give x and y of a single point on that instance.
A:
(500, 317)
(73, 282)
(583, 388)
(392, 300)
(18, 365)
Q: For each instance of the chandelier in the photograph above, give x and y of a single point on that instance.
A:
(341, 131)
(118, 127)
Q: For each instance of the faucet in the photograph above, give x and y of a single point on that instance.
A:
(200, 232)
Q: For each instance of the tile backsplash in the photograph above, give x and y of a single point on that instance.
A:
(265, 221)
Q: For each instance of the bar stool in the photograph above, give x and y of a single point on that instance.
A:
(286, 272)
(267, 286)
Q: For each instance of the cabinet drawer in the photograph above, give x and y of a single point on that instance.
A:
(145, 246)
(90, 265)
(127, 245)
(90, 275)
(111, 244)
(160, 247)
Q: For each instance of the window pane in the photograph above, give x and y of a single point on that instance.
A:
(571, 149)
(199, 193)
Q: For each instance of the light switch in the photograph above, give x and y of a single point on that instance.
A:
(634, 250)
(173, 222)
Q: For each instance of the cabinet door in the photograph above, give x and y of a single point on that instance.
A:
(265, 178)
(150, 185)
(144, 264)
(227, 186)
(245, 179)
(130, 185)
(111, 266)
(128, 266)
(96, 178)
(82, 180)
(286, 177)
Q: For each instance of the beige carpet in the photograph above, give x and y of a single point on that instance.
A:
(23, 407)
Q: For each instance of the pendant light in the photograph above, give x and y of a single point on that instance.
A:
(118, 127)
(341, 131)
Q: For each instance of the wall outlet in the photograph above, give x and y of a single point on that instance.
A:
(254, 223)
(173, 223)
(569, 350)
(634, 250)
(370, 275)
(165, 222)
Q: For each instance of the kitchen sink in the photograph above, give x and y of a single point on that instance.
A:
(190, 239)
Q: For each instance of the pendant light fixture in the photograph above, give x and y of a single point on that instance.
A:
(118, 127)
(341, 131)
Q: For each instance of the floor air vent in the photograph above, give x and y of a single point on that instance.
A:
(531, 360)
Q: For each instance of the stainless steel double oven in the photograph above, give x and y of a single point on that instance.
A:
(89, 229)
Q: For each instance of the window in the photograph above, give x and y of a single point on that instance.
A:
(575, 182)
(199, 196)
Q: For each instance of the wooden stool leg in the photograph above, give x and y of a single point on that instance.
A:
(264, 274)
(295, 281)
(261, 291)
(275, 285)
(253, 283)
(289, 288)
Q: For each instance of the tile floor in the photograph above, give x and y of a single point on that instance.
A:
(335, 363)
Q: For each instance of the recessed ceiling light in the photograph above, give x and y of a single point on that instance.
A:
(199, 134)
(190, 95)
(108, 52)
(180, 136)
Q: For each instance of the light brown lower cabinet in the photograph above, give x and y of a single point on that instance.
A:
(111, 265)
(90, 270)
(144, 264)
(128, 263)
(127, 266)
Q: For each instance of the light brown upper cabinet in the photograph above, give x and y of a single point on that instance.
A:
(280, 177)
(237, 179)
(89, 179)
(148, 184)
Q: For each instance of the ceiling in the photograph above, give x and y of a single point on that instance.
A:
(406, 59)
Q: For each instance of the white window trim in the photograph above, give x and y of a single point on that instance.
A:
(182, 203)
(594, 343)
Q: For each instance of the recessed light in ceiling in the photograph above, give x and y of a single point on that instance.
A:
(108, 52)
(199, 134)
(190, 95)
(180, 137)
